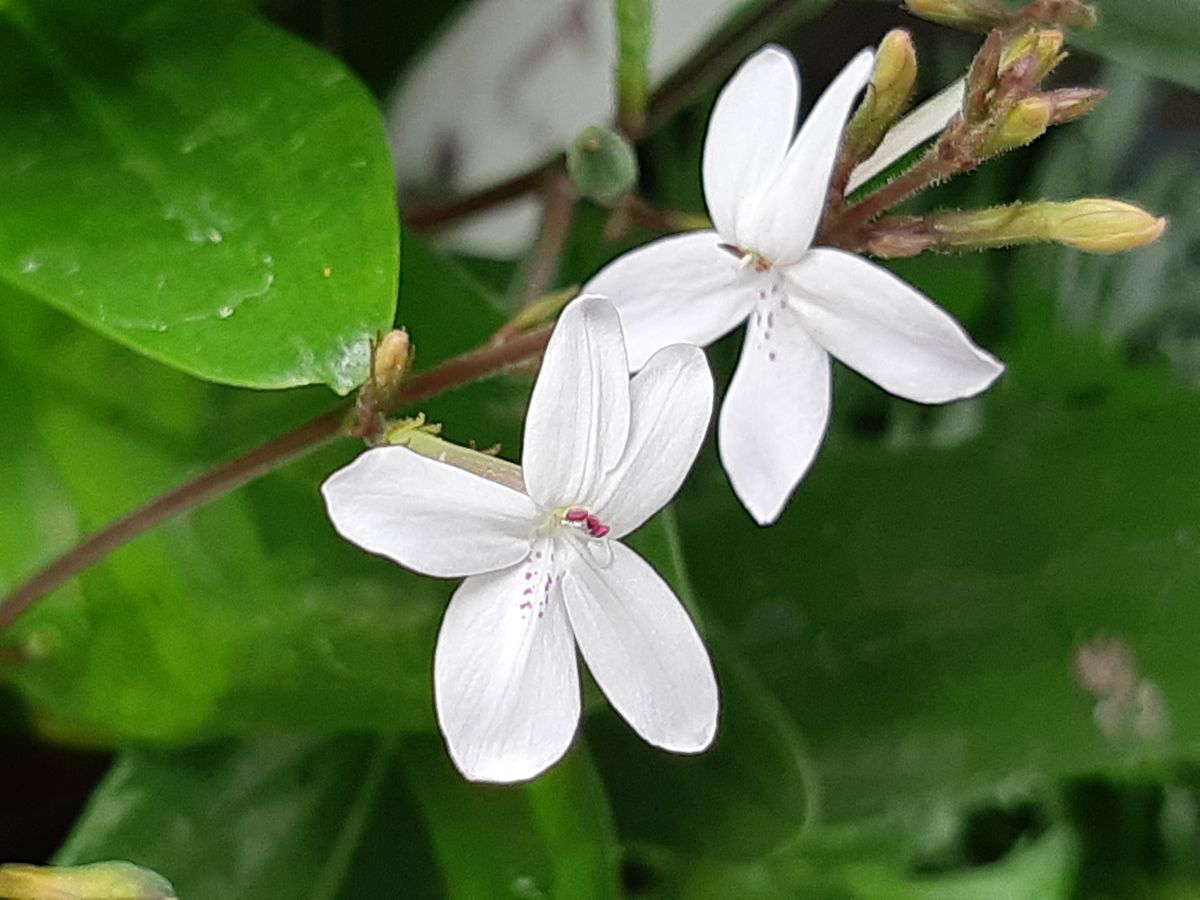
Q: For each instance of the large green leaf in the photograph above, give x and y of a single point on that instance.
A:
(740, 799)
(347, 817)
(1158, 37)
(197, 185)
(244, 614)
(921, 606)
(551, 838)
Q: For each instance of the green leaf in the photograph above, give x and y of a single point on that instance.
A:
(198, 185)
(247, 613)
(272, 817)
(347, 817)
(922, 606)
(550, 838)
(742, 798)
(1158, 37)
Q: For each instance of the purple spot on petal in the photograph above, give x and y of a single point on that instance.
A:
(528, 575)
(526, 605)
(528, 591)
(770, 320)
(771, 356)
(766, 335)
(538, 555)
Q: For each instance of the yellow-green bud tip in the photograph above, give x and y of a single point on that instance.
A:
(1101, 225)
(393, 355)
(1025, 122)
(971, 15)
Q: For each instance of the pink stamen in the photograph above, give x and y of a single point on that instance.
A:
(599, 531)
(577, 515)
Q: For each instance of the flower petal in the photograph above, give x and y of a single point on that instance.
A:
(888, 330)
(913, 130)
(751, 125)
(775, 411)
(642, 649)
(429, 516)
(670, 404)
(579, 413)
(506, 683)
(682, 289)
(782, 221)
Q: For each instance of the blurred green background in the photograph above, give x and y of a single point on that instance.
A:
(917, 662)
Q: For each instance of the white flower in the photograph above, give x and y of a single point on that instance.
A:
(765, 194)
(545, 569)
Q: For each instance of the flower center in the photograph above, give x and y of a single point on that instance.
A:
(747, 258)
(579, 518)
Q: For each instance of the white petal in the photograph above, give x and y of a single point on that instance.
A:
(642, 649)
(888, 330)
(506, 683)
(775, 411)
(784, 218)
(670, 403)
(429, 516)
(682, 289)
(749, 130)
(913, 130)
(579, 413)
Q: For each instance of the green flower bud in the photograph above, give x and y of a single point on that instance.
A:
(602, 165)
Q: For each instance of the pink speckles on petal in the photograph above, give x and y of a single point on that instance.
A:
(771, 356)
(770, 320)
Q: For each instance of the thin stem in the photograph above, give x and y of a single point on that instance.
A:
(842, 225)
(431, 216)
(557, 215)
(711, 64)
(220, 480)
(716, 59)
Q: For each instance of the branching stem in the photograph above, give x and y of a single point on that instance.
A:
(453, 373)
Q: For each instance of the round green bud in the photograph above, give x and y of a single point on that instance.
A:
(602, 165)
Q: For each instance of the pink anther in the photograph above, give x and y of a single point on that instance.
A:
(577, 515)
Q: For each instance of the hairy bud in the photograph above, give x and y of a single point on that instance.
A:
(1102, 225)
(1024, 123)
(887, 97)
(969, 15)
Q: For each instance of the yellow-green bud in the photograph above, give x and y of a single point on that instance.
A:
(602, 165)
(393, 357)
(887, 97)
(1025, 122)
(969, 15)
(1101, 225)
(105, 879)
(1097, 224)
(1032, 55)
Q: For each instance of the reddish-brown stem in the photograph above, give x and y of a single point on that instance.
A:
(712, 63)
(558, 212)
(234, 473)
(431, 216)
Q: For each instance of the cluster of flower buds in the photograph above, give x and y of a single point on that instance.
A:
(1003, 106)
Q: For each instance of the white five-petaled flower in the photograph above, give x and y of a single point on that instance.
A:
(765, 191)
(545, 567)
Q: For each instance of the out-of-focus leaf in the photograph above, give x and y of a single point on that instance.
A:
(550, 838)
(1158, 37)
(246, 613)
(198, 185)
(271, 817)
(1147, 300)
(348, 818)
(1043, 870)
(110, 880)
(741, 798)
(928, 612)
